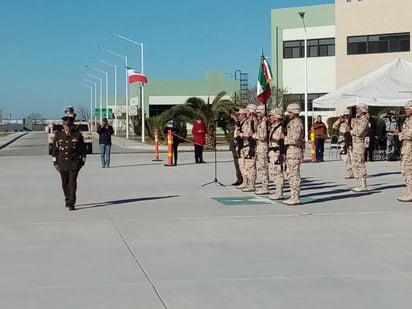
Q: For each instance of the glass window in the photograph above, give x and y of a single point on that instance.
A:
(316, 48)
(378, 43)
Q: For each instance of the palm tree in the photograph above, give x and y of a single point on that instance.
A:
(210, 113)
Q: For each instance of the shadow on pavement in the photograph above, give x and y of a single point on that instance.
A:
(124, 201)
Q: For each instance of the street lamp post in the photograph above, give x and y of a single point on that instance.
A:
(142, 85)
(95, 100)
(127, 86)
(302, 16)
(107, 89)
(91, 102)
(115, 89)
(101, 92)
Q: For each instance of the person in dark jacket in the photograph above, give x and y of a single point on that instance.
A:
(69, 155)
(170, 125)
(105, 132)
(199, 131)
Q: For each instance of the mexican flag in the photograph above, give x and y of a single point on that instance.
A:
(135, 76)
(264, 79)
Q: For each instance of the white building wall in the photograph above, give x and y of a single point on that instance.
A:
(321, 70)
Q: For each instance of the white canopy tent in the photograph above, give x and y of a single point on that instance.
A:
(390, 85)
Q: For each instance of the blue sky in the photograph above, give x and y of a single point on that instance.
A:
(46, 43)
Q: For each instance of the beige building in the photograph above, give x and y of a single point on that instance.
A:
(345, 41)
(370, 34)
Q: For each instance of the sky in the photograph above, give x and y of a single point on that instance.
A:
(45, 45)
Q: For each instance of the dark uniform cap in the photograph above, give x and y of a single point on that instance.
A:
(68, 118)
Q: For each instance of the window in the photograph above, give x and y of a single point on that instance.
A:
(315, 48)
(378, 43)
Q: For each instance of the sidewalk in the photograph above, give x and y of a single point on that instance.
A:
(10, 138)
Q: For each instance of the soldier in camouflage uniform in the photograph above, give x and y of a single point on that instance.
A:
(294, 142)
(341, 124)
(406, 152)
(360, 129)
(239, 146)
(276, 157)
(247, 160)
(262, 160)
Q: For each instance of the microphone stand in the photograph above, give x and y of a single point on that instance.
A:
(215, 180)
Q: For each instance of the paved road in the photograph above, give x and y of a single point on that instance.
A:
(150, 236)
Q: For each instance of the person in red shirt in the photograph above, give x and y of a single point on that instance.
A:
(199, 131)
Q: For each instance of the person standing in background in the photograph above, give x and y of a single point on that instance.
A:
(294, 142)
(321, 132)
(359, 130)
(170, 125)
(199, 131)
(234, 147)
(105, 132)
(405, 136)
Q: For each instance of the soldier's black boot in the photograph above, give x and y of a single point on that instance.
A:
(71, 206)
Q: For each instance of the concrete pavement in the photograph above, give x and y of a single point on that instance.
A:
(150, 236)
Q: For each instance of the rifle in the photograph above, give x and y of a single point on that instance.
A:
(347, 137)
(252, 147)
(238, 145)
(282, 147)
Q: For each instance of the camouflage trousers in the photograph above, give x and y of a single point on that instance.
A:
(247, 167)
(276, 169)
(358, 160)
(262, 163)
(406, 165)
(293, 161)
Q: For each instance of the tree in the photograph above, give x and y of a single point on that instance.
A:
(82, 112)
(277, 100)
(211, 114)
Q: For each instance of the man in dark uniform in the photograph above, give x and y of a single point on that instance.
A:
(69, 155)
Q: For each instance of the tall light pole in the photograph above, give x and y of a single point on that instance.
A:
(95, 99)
(302, 16)
(127, 85)
(101, 92)
(91, 101)
(107, 87)
(142, 84)
(115, 89)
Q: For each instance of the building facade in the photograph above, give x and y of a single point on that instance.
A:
(345, 41)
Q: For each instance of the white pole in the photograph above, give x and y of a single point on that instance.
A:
(107, 96)
(142, 91)
(302, 15)
(91, 107)
(115, 100)
(95, 105)
(142, 98)
(127, 102)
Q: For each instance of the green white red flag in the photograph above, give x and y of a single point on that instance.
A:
(265, 77)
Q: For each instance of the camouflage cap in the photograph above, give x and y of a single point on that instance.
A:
(242, 111)
(260, 109)
(251, 108)
(363, 107)
(408, 104)
(276, 113)
(293, 108)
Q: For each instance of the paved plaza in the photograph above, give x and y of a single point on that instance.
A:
(145, 235)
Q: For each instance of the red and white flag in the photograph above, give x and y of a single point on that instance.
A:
(135, 76)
